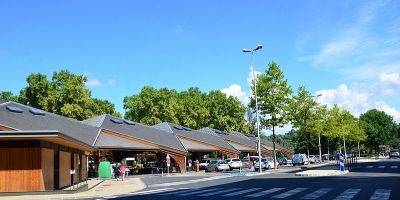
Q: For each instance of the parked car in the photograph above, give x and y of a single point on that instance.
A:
(300, 159)
(217, 165)
(313, 159)
(204, 163)
(234, 163)
(266, 163)
(246, 163)
(394, 153)
(282, 161)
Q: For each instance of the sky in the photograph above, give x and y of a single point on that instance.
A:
(347, 51)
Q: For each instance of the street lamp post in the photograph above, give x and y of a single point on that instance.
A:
(255, 96)
(319, 134)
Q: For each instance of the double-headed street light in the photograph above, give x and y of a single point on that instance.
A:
(260, 46)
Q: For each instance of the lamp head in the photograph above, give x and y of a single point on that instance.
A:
(246, 50)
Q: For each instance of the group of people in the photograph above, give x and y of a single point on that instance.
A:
(119, 170)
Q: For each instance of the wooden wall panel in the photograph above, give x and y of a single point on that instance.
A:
(76, 167)
(65, 166)
(84, 167)
(20, 170)
(48, 168)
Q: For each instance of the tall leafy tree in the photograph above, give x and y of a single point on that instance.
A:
(65, 94)
(273, 97)
(8, 96)
(302, 114)
(379, 127)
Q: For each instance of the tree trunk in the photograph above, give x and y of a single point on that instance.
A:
(328, 144)
(273, 148)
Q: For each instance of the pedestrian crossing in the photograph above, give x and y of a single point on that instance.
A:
(382, 167)
(272, 193)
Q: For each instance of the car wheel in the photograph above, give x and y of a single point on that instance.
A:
(216, 169)
(269, 167)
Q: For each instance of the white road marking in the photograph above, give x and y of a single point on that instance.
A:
(110, 197)
(289, 193)
(318, 193)
(381, 167)
(369, 167)
(394, 167)
(381, 194)
(188, 182)
(178, 192)
(152, 191)
(265, 192)
(348, 194)
(199, 191)
(241, 192)
(219, 192)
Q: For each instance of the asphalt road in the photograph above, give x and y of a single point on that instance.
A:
(374, 180)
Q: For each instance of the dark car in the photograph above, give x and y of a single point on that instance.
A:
(328, 157)
(282, 161)
(394, 153)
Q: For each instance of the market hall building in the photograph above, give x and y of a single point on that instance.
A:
(41, 151)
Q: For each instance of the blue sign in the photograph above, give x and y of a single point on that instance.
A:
(341, 162)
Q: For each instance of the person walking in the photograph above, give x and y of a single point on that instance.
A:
(116, 171)
(122, 170)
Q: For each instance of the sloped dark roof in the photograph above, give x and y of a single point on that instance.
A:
(49, 121)
(238, 138)
(137, 130)
(194, 135)
(2, 101)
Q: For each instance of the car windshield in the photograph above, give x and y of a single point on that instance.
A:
(237, 160)
(214, 162)
(394, 150)
(222, 162)
(245, 160)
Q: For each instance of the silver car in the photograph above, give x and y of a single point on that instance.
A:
(217, 165)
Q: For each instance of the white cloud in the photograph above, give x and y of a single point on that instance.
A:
(391, 78)
(235, 90)
(93, 83)
(358, 99)
(111, 82)
(97, 83)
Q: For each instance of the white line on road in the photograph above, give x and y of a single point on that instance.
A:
(265, 192)
(381, 194)
(381, 167)
(178, 192)
(219, 192)
(199, 191)
(394, 167)
(241, 192)
(188, 182)
(369, 167)
(348, 194)
(289, 193)
(153, 191)
(318, 193)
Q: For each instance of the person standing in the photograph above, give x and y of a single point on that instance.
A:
(116, 171)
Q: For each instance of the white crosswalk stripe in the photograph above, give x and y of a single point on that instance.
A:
(394, 167)
(381, 194)
(241, 192)
(318, 193)
(219, 192)
(265, 192)
(289, 193)
(199, 191)
(381, 167)
(369, 167)
(154, 191)
(348, 194)
(178, 192)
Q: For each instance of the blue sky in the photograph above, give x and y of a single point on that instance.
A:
(349, 51)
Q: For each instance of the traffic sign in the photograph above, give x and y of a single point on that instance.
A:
(168, 160)
(341, 162)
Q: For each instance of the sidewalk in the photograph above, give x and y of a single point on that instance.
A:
(106, 188)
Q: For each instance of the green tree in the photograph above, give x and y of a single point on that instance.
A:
(251, 121)
(303, 114)
(273, 94)
(8, 96)
(379, 127)
(65, 94)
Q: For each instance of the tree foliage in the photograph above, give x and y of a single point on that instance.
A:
(65, 94)
(191, 108)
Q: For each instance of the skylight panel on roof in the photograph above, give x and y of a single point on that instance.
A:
(117, 121)
(14, 109)
(187, 129)
(129, 122)
(36, 111)
(177, 127)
